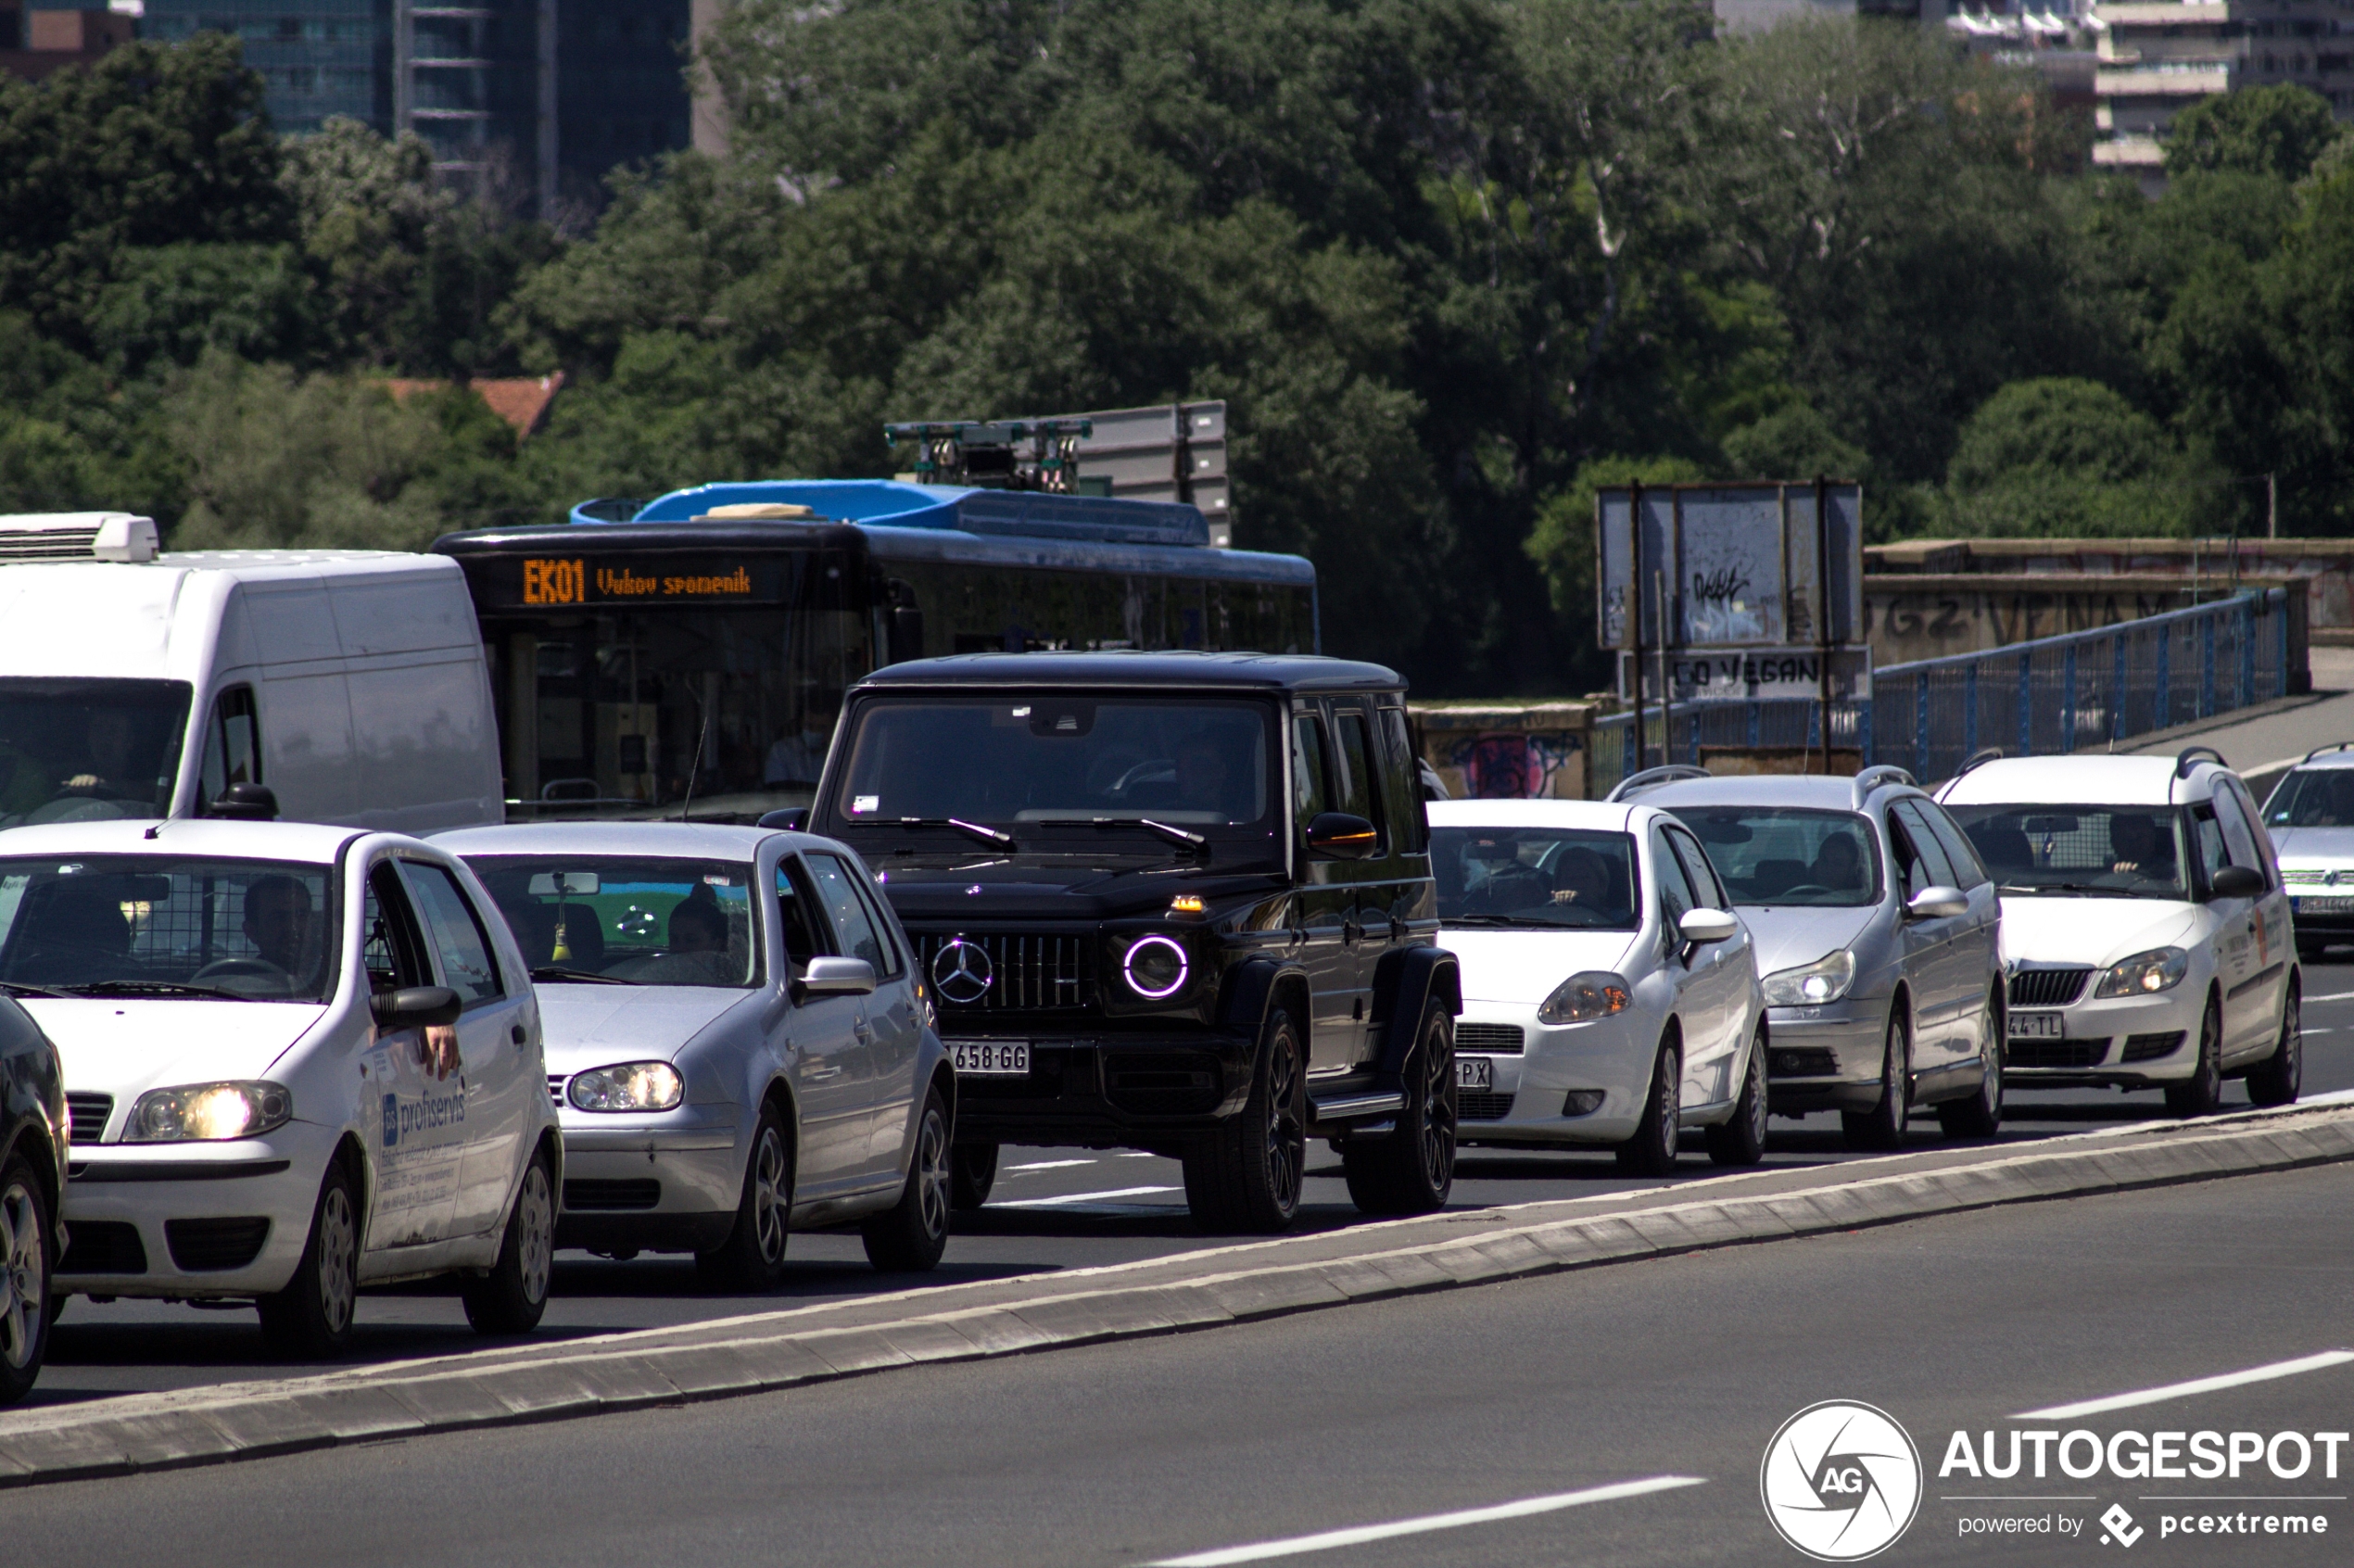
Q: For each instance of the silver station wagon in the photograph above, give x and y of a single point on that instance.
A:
(738, 1045)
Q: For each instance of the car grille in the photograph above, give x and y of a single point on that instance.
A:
(2149, 1047)
(1489, 1040)
(213, 1247)
(2055, 1053)
(2316, 877)
(1162, 1083)
(105, 1247)
(2047, 988)
(598, 1196)
(1793, 1061)
(556, 1088)
(1027, 973)
(90, 1113)
(1482, 1107)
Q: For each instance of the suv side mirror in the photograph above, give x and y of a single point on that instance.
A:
(2237, 881)
(1701, 926)
(1336, 835)
(837, 977)
(792, 819)
(246, 802)
(416, 1007)
(1937, 902)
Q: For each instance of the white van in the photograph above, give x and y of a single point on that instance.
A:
(340, 686)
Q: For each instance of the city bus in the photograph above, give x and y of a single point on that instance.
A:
(688, 657)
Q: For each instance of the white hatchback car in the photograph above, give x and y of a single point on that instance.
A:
(298, 1059)
(1610, 995)
(2145, 932)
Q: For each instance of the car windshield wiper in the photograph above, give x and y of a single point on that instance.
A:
(17, 988)
(2058, 887)
(161, 988)
(987, 835)
(558, 975)
(1517, 922)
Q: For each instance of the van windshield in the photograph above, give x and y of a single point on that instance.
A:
(122, 925)
(89, 751)
(585, 918)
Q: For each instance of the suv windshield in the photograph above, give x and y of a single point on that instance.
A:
(2314, 797)
(89, 751)
(637, 920)
(2104, 851)
(249, 930)
(1051, 763)
(1552, 877)
(1778, 856)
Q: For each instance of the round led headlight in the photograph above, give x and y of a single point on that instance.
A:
(632, 1086)
(204, 1113)
(1155, 966)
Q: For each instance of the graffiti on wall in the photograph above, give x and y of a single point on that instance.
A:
(1507, 765)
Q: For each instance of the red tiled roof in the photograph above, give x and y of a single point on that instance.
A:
(521, 401)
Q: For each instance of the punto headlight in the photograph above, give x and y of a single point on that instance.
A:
(2161, 968)
(1597, 993)
(204, 1113)
(632, 1086)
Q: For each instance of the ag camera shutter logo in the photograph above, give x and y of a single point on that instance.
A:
(1842, 1481)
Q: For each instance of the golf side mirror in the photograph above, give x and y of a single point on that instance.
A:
(837, 977)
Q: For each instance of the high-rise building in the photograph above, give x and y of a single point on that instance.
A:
(2157, 57)
(45, 35)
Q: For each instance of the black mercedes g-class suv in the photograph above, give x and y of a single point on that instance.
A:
(1173, 902)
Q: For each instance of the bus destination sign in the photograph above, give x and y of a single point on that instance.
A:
(659, 579)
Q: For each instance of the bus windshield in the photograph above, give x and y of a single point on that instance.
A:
(89, 751)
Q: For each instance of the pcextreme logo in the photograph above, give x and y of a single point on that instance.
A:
(1842, 1481)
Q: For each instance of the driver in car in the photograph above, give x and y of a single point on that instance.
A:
(2139, 847)
(1582, 879)
(1838, 866)
(283, 930)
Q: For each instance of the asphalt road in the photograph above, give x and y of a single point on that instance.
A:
(1676, 1374)
(1052, 1209)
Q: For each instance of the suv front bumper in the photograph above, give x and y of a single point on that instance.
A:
(1125, 1090)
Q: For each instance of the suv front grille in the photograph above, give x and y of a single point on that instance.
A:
(1488, 1040)
(90, 1112)
(1027, 973)
(2047, 988)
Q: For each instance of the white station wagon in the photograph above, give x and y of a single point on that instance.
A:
(298, 1060)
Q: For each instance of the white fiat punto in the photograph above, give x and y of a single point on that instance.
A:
(298, 1060)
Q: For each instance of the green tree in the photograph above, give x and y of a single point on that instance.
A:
(2069, 458)
(2277, 131)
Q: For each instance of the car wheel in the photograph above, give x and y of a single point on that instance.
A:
(972, 1170)
(1652, 1150)
(2202, 1093)
(1245, 1177)
(2276, 1079)
(1740, 1139)
(909, 1237)
(1412, 1170)
(753, 1258)
(1980, 1115)
(26, 1309)
(513, 1296)
(310, 1318)
(1882, 1127)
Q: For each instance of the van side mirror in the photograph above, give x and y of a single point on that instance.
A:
(2237, 881)
(1336, 835)
(246, 802)
(1701, 926)
(836, 976)
(416, 1007)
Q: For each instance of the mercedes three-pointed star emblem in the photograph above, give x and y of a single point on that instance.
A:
(961, 972)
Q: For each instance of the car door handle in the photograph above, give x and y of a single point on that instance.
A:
(821, 1074)
(863, 1029)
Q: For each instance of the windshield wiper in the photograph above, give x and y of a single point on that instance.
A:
(17, 988)
(1516, 922)
(2056, 887)
(985, 834)
(557, 974)
(159, 988)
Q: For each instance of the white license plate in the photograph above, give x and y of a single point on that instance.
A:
(1475, 1072)
(991, 1058)
(2322, 905)
(2036, 1026)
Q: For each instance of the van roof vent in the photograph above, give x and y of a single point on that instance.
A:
(77, 536)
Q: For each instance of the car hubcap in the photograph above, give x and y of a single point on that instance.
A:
(339, 1290)
(1286, 1134)
(22, 1256)
(1671, 1079)
(769, 1195)
(931, 1175)
(2292, 1044)
(1438, 1111)
(1757, 1091)
(535, 1234)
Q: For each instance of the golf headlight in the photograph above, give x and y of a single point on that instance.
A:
(2161, 968)
(1597, 993)
(1826, 979)
(198, 1113)
(632, 1086)
(1155, 966)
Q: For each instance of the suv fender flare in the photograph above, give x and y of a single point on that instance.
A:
(1257, 985)
(1405, 982)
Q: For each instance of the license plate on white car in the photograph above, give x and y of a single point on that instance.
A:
(2036, 1026)
(2322, 905)
(1475, 1073)
(990, 1058)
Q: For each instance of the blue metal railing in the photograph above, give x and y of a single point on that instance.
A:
(2057, 694)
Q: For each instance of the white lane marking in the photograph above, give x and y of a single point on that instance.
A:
(1138, 1154)
(2326, 1360)
(1083, 1198)
(1062, 1164)
(2333, 997)
(1327, 1539)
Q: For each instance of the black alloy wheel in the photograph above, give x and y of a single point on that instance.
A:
(1245, 1177)
(1412, 1170)
(972, 1171)
(2202, 1093)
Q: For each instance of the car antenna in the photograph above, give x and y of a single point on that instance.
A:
(702, 733)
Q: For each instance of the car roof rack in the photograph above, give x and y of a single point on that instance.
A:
(1876, 776)
(1651, 777)
(1979, 758)
(2333, 746)
(2189, 759)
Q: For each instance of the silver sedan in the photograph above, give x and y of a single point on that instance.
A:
(738, 1045)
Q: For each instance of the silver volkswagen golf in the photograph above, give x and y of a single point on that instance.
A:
(738, 1045)
(1878, 934)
